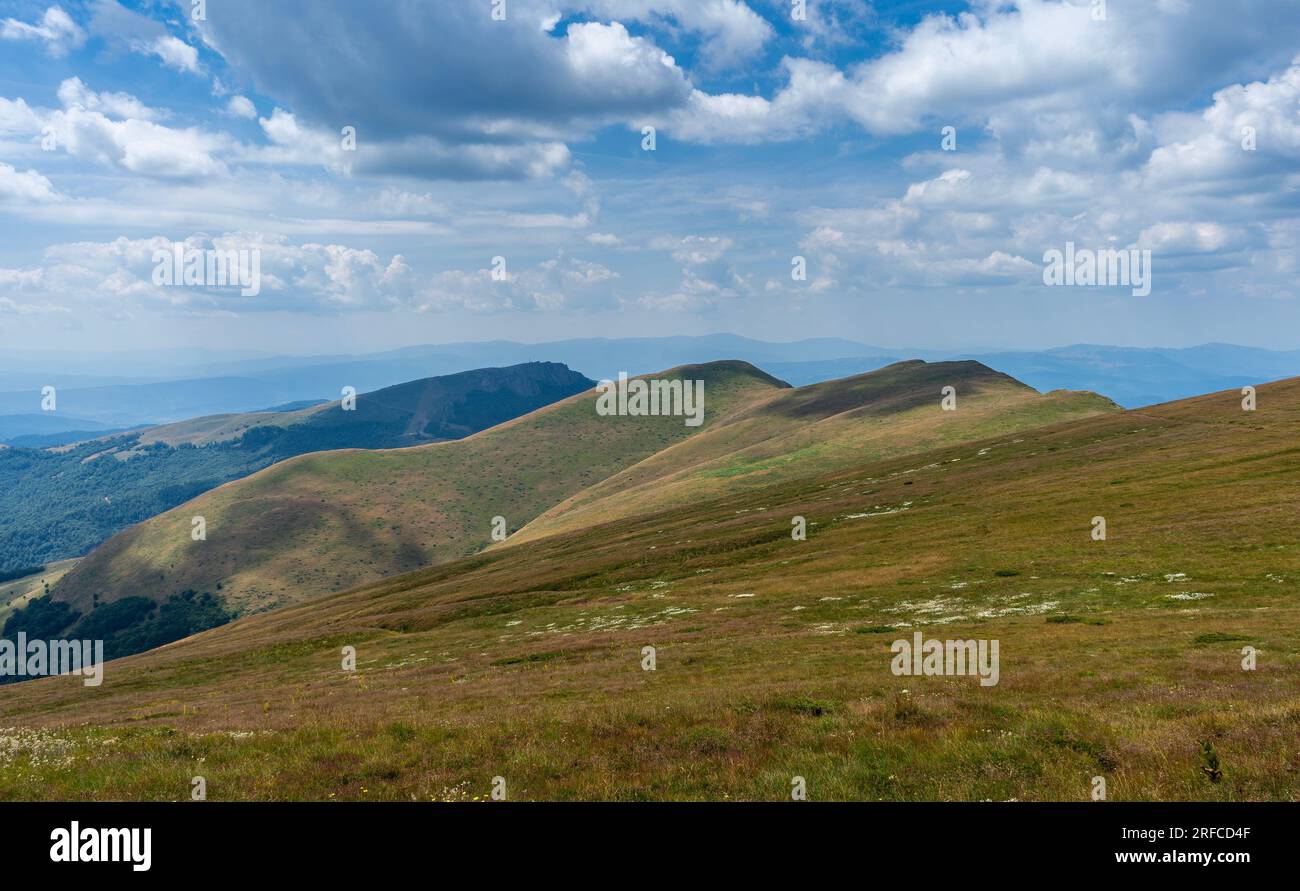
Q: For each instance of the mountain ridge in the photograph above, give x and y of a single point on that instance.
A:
(1133, 376)
(60, 502)
(329, 520)
(361, 503)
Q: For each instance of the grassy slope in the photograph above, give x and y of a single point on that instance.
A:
(223, 428)
(427, 409)
(524, 662)
(819, 428)
(331, 520)
(16, 593)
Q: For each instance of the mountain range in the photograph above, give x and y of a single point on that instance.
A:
(330, 520)
(110, 391)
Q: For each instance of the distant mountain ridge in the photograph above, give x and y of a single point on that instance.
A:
(59, 503)
(38, 429)
(1132, 376)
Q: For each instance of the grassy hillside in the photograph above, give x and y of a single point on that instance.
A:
(60, 503)
(328, 521)
(17, 593)
(1119, 658)
(798, 433)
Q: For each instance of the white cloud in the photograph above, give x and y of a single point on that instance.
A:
(1029, 72)
(117, 130)
(25, 186)
(297, 144)
(17, 118)
(532, 91)
(607, 59)
(241, 107)
(709, 278)
(175, 53)
(405, 203)
(303, 277)
(1171, 239)
(126, 29)
(733, 32)
(555, 284)
(138, 146)
(812, 97)
(73, 93)
(1250, 132)
(56, 28)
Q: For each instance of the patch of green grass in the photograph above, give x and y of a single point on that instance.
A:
(531, 657)
(1219, 637)
(804, 705)
(1067, 619)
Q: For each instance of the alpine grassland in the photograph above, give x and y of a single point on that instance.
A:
(1126, 657)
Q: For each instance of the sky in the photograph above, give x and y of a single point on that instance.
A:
(425, 171)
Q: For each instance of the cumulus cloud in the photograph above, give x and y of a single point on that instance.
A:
(1203, 190)
(56, 30)
(1030, 72)
(137, 145)
(73, 93)
(116, 130)
(708, 276)
(1250, 132)
(303, 277)
(561, 283)
(174, 53)
(733, 33)
(18, 119)
(241, 107)
(131, 31)
(25, 186)
(496, 99)
(354, 151)
(1064, 124)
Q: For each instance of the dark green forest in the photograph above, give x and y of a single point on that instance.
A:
(127, 626)
(55, 505)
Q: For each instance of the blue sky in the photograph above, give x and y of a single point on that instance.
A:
(129, 125)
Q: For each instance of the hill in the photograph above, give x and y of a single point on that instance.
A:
(813, 429)
(1120, 658)
(24, 429)
(60, 503)
(18, 588)
(328, 521)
